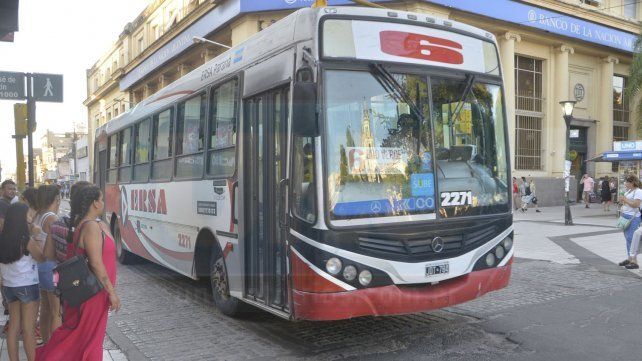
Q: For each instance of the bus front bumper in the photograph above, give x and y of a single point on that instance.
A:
(394, 299)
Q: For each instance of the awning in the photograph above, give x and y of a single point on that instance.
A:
(613, 156)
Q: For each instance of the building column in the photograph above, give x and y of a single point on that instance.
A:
(207, 54)
(162, 81)
(604, 139)
(558, 126)
(244, 28)
(183, 69)
(507, 51)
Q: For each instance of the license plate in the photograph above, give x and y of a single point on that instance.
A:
(438, 269)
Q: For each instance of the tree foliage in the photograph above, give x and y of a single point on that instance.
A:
(635, 81)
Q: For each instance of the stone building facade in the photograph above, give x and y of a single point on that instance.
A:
(550, 50)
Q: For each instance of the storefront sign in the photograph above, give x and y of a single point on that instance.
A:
(632, 145)
(506, 10)
(205, 25)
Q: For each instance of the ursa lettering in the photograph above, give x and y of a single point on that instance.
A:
(419, 46)
(144, 200)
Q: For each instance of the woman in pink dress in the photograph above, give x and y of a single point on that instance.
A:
(80, 338)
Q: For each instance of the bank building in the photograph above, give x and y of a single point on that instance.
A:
(550, 51)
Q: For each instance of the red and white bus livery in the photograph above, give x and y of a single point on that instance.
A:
(342, 162)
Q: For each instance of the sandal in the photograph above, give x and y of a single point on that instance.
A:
(624, 263)
(632, 265)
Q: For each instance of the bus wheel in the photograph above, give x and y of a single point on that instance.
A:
(124, 256)
(229, 305)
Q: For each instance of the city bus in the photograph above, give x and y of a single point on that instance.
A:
(343, 162)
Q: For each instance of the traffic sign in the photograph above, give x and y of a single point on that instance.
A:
(12, 85)
(47, 87)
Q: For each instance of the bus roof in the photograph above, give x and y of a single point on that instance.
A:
(272, 40)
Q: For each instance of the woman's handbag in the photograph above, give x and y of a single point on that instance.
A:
(623, 223)
(76, 282)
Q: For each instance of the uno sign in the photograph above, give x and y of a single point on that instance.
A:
(419, 46)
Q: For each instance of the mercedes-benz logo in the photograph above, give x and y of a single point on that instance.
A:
(437, 244)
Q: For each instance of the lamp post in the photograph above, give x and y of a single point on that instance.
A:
(199, 40)
(567, 111)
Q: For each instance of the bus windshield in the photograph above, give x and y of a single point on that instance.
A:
(382, 155)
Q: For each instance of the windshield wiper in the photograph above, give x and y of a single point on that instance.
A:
(392, 86)
(470, 80)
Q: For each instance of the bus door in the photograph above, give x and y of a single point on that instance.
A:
(265, 165)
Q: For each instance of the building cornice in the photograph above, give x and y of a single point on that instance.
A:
(169, 35)
(105, 88)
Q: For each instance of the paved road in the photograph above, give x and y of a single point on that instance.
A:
(567, 300)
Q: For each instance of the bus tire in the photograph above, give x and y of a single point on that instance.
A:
(227, 304)
(124, 257)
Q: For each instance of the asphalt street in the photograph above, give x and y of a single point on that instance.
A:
(567, 300)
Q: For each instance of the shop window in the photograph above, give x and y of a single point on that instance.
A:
(222, 147)
(190, 137)
(630, 9)
(529, 115)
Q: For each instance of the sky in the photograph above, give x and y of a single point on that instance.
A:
(59, 37)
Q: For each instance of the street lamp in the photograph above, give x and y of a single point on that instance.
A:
(198, 40)
(567, 111)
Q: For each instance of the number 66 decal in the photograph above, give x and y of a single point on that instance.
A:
(449, 199)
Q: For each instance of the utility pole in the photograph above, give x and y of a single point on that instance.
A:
(31, 122)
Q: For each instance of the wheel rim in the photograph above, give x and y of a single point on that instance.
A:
(218, 279)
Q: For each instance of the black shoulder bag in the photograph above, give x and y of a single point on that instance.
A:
(76, 282)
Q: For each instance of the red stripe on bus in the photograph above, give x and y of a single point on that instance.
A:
(306, 279)
(130, 238)
(171, 95)
(398, 299)
(183, 256)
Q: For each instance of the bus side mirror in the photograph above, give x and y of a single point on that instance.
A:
(304, 109)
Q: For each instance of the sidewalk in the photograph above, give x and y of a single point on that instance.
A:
(543, 236)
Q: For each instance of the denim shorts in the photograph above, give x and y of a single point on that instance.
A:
(45, 275)
(24, 294)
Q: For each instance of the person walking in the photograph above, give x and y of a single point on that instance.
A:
(19, 253)
(48, 201)
(631, 210)
(525, 190)
(588, 184)
(516, 195)
(533, 189)
(605, 194)
(83, 330)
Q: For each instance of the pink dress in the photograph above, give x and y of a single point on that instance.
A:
(80, 338)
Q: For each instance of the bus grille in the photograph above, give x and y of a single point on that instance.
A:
(418, 246)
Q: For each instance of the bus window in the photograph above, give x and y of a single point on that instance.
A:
(112, 173)
(141, 154)
(222, 153)
(125, 155)
(303, 187)
(190, 137)
(163, 131)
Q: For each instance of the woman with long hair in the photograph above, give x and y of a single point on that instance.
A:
(18, 255)
(631, 210)
(81, 335)
(48, 200)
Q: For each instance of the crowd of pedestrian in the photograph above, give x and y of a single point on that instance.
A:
(33, 241)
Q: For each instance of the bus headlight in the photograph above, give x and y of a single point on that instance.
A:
(365, 277)
(508, 243)
(350, 273)
(490, 260)
(499, 252)
(333, 266)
